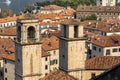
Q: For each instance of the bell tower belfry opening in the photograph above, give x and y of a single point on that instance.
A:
(28, 49)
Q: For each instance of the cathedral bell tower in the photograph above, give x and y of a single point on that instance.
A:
(27, 49)
(72, 47)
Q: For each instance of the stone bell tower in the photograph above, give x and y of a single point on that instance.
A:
(72, 48)
(27, 49)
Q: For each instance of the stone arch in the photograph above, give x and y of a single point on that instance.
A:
(31, 32)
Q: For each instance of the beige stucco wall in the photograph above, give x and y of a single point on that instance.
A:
(103, 51)
(29, 61)
(85, 74)
(10, 67)
(43, 64)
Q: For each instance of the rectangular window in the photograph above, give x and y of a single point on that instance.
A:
(107, 52)
(5, 61)
(115, 50)
(54, 52)
(92, 75)
(75, 31)
(99, 49)
(6, 70)
(46, 59)
(46, 67)
(56, 61)
(119, 49)
(65, 31)
(94, 48)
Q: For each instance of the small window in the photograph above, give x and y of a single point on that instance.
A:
(63, 56)
(94, 48)
(115, 50)
(99, 49)
(6, 70)
(46, 73)
(46, 67)
(51, 62)
(54, 52)
(18, 60)
(1, 74)
(5, 61)
(56, 61)
(107, 52)
(92, 75)
(5, 78)
(46, 59)
(119, 49)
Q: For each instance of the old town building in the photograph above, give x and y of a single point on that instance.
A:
(106, 2)
(102, 12)
(73, 58)
(106, 46)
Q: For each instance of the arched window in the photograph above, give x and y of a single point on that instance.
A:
(31, 32)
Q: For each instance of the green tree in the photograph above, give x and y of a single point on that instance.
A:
(28, 8)
(6, 13)
(91, 17)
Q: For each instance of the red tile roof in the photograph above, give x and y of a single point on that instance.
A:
(10, 31)
(107, 41)
(10, 57)
(58, 75)
(104, 62)
(8, 19)
(44, 54)
(50, 43)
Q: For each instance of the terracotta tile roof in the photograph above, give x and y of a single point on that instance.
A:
(10, 31)
(3, 55)
(102, 62)
(108, 26)
(8, 19)
(54, 24)
(58, 75)
(107, 41)
(10, 57)
(92, 24)
(44, 54)
(52, 7)
(50, 43)
(70, 22)
(52, 16)
(6, 46)
(67, 12)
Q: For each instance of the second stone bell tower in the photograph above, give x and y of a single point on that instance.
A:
(72, 48)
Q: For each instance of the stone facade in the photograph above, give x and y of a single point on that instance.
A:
(106, 2)
(72, 48)
(102, 12)
(9, 66)
(28, 49)
(1, 69)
